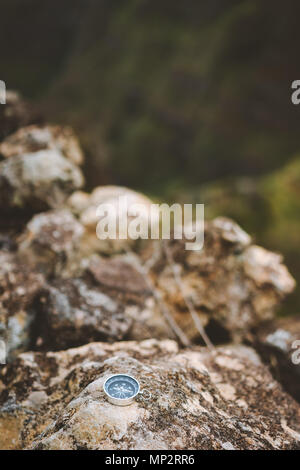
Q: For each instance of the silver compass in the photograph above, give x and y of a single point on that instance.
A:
(121, 389)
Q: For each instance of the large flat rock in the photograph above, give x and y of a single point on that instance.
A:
(225, 399)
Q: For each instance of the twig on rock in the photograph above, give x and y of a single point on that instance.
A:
(144, 271)
(186, 299)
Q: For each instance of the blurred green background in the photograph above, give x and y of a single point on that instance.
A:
(187, 101)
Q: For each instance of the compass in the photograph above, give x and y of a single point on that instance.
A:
(121, 389)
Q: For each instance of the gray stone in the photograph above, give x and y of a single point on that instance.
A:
(34, 138)
(18, 287)
(279, 345)
(51, 241)
(37, 181)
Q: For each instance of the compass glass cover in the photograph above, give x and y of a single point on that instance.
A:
(121, 387)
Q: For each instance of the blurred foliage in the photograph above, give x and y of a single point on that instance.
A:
(161, 91)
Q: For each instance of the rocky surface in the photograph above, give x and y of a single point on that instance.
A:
(37, 181)
(279, 345)
(51, 241)
(62, 287)
(18, 286)
(121, 202)
(34, 138)
(232, 284)
(119, 278)
(220, 400)
(40, 164)
(77, 311)
(109, 301)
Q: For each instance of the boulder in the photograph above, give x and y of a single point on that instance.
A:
(73, 312)
(34, 138)
(110, 301)
(279, 346)
(18, 286)
(225, 399)
(120, 278)
(51, 241)
(37, 181)
(233, 285)
(123, 202)
(52, 244)
(78, 202)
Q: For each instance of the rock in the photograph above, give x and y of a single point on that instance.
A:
(52, 245)
(118, 276)
(200, 400)
(16, 113)
(78, 202)
(266, 268)
(18, 286)
(231, 232)
(36, 181)
(233, 285)
(51, 242)
(279, 346)
(110, 301)
(119, 199)
(34, 138)
(120, 279)
(73, 312)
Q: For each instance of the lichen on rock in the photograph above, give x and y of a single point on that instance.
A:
(233, 285)
(200, 400)
(51, 241)
(34, 138)
(39, 180)
(74, 311)
(18, 286)
(120, 206)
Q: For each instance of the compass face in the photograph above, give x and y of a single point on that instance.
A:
(121, 387)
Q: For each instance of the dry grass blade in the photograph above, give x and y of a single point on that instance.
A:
(179, 333)
(187, 301)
